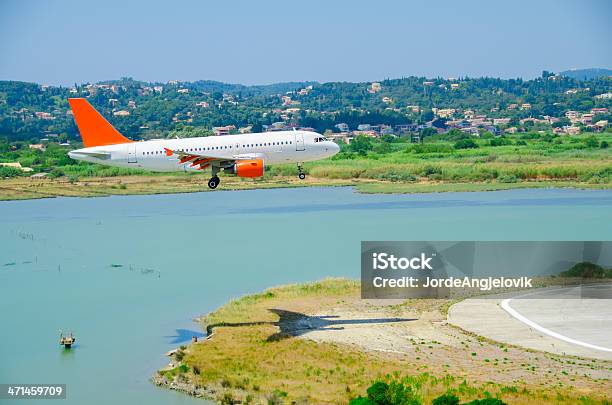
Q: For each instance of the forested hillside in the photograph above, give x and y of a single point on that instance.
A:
(31, 111)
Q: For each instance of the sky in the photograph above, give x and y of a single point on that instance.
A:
(62, 42)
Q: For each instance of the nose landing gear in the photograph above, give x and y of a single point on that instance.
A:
(301, 174)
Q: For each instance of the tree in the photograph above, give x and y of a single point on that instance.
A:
(427, 116)
(563, 122)
(361, 145)
(425, 132)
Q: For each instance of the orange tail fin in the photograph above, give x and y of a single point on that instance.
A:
(95, 130)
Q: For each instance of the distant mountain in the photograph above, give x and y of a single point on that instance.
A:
(586, 74)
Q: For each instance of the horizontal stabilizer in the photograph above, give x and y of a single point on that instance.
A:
(99, 155)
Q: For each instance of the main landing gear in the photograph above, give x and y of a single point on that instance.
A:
(301, 174)
(214, 182)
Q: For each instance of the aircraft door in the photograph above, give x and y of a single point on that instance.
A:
(299, 142)
(132, 153)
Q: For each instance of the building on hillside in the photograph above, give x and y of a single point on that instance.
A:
(374, 88)
(44, 115)
(226, 130)
(202, 104)
(37, 146)
(586, 118)
(572, 130)
(305, 91)
(444, 112)
(342, 127)
(501, 121)
(404, 128)
(121, 113)
(600, 125)
(17, 165)
(370, 134)
(183, 91)
(573, 116)
(341, 137)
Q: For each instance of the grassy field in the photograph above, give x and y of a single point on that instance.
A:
(388, 167)
(21, 188)
(254, 356)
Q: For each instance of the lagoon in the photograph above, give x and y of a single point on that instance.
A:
(127, 274)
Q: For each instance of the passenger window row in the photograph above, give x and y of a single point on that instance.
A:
(158, 152)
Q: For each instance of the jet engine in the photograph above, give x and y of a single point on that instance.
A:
(248, 168)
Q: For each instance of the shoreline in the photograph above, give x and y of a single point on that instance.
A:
(319, 343)
(27, 189)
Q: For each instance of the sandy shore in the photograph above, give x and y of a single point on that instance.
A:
(275, 341)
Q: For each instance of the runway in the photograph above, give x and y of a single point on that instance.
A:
(570, 320)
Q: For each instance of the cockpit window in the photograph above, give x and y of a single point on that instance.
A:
(320, 139)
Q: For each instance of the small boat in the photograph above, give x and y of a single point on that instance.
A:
(67, 340)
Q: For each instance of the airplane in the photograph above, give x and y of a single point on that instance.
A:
(244, 155)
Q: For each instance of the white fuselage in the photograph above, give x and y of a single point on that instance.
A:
(272, 147)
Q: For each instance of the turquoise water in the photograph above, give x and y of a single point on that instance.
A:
(184, 255)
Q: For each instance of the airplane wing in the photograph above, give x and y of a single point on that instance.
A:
(205, 160)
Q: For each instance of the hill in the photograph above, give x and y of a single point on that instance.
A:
(141, 110)
(586, 74)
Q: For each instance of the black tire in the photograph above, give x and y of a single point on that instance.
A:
(213, 183)
(302, 176)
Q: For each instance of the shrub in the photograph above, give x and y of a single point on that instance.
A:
(591, 142)
(586, 270)
(446, 399)
(7, 171)
(500, 141)
(422, 148)
(465, 144)
(55, 173)
(507, 178)
(228, 399)
(378, 392)
(486, 401)
(431, 170)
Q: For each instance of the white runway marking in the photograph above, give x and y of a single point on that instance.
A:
(505, 304)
